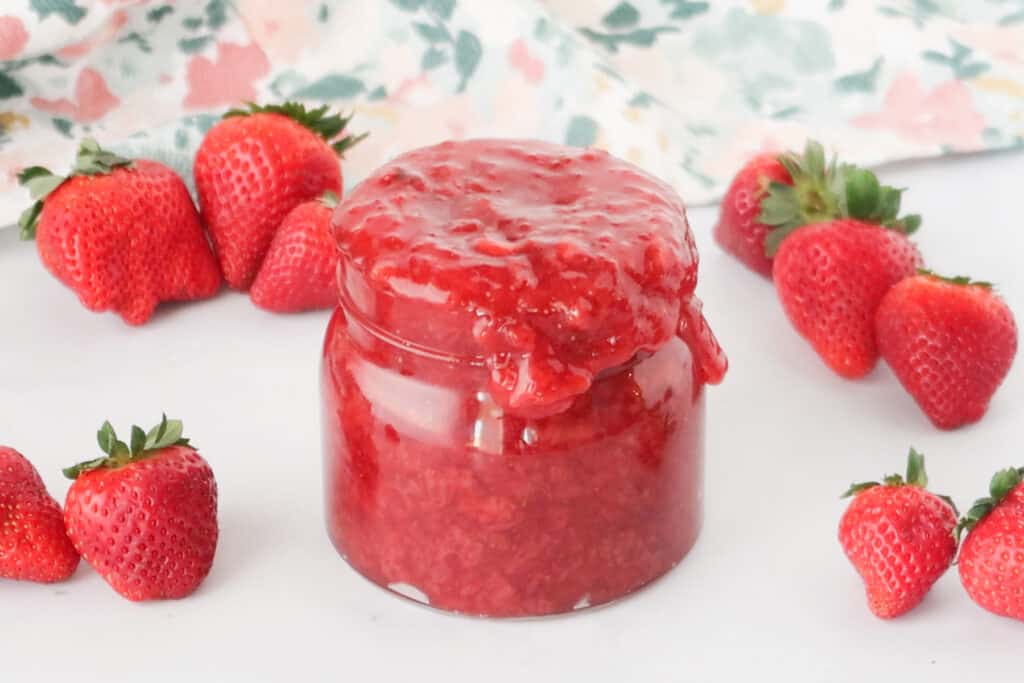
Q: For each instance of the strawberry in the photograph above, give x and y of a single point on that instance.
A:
(949, 341)
(739, 230)
(33, 545)
(773, 195)
(830, 278)
(992, 556)
(299, 270)
(899, 537)
(122, 234)
(145, 515)
(254, 167)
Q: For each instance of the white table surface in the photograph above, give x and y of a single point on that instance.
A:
(765, 595)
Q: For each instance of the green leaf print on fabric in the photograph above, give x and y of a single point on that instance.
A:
(157, 14)
(624, 15)
(66, 9)
(216, 14)
(196, 44)
(192, 23)
(138, 40)
(63, 126)
(432, 33)
(468, 52)
(582, 131)
(684, 9)
(958, 60)
(9, 87)
(378, 93)
(408, 5)
(441, 8)
(641, 37)
(757, 43)
(331, 87)
(861, 81)
(433, 58)
(919, 11)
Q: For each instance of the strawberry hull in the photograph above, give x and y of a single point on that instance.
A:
(513, 385)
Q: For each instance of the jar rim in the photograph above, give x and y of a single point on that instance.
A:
(353, 313)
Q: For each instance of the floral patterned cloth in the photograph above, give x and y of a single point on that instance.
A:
(685, 88)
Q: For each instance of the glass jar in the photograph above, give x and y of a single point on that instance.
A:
(546, 494)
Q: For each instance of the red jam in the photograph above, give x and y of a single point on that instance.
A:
(513, 385)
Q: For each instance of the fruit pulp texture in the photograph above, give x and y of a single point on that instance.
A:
(430, 484)
(513, 386)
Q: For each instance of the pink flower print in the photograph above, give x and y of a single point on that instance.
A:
(93, 99)
(229, 80)
(520, 59)
(944, 116)
(13, 37)
(103, 36)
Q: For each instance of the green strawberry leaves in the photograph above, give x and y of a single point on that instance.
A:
(41, 182)
(825, 190)
(329, 127)
(916, 476)
(1002, 483)
(958, 280)
(142, 445)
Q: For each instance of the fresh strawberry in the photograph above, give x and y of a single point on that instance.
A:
(899, 537)
(122, 234)
(992, 556)
(299, 270)
(831, 277)
(33, 545)
(773, 195)
(257, 165)
(145, 515)
(950, 342)
(740, 230)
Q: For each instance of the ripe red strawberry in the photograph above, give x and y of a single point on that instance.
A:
(830, 278)
(122, 234)
(257, 165)
(773, 195)
(899, 537)
(299, 271)
(33, 545)
(992, 557)
(950, 342)
(145, 515)
(740, 230)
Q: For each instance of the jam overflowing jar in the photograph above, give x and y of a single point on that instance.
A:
(513, 383)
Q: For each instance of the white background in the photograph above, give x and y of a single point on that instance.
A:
(765, 595)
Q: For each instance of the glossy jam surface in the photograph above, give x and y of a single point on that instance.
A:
(550, 263)
(513, 387)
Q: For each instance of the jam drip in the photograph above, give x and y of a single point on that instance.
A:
(550, 264)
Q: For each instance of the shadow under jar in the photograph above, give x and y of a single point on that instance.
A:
(514, 426)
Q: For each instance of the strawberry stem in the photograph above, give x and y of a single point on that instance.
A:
(90, 160)
(1002, 483)
(958, 280)
(916, 476)
(823, 192)
(329, 127)
(143, 445)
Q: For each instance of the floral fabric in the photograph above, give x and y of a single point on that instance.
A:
(685, 88)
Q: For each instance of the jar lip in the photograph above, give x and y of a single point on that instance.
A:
(352, 312)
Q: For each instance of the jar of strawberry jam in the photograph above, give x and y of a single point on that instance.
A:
(514, 382)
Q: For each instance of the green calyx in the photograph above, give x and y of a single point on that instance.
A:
(824, 191)
(958, 280)
(90, 160)
(1002, 483)
(329, 199)
(916, 476)
(327, 126)
(142, 445)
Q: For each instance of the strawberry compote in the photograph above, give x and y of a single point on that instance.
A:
(513, 384)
